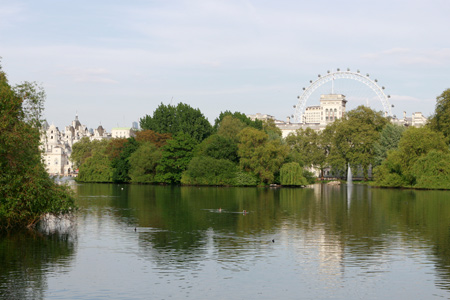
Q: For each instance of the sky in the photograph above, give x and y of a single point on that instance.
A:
(113, 62)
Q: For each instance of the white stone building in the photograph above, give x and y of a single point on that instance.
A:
(123, 132)
(331, 108)
(57, 146)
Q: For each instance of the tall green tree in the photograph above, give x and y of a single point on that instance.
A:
(259, 155)
(143, 163)
(398, 169)
(355, 136)
(85, 148)
(218, 147)
(176, 155)
(26, 191)
(258, 124)
(307, 144)
(440, 121)
(121, 165)
(96, 168)
(230, 127)
(175, 119)
(389, 138)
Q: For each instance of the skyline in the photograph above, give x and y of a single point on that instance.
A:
(112, 62)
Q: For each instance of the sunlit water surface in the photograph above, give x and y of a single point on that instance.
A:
(154, 242)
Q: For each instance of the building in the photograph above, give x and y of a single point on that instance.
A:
(331, 108)
(57, 146)
(123, 132)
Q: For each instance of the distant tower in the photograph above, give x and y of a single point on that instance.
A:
(135, 125)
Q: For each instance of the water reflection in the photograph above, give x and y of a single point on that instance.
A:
(27, 257)
(329, 242)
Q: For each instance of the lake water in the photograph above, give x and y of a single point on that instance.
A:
(320, 242)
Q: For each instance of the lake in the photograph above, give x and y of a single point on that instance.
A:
(162, 242)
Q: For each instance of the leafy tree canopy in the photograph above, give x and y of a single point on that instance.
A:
(218, 147)
(175, 119)
(26, 191)
(176, 155)
(143, 163)
(258, 124)
(355, 136)
(440, 121)
(259, 155)
(158, 139)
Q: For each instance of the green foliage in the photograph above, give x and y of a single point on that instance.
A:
(85, 148)
(175, 119)
(143, 163)
(389, 138)
(177, 153)
(307, 144)
(398, 170)
(205, 170)
(243, 178)
(96, 168)
(354, 138)
(26, 191)
(219, 147)
(259, 155)
(292, 174)
(440, 121)
(272, 130)
(230, 127)
(121, 165)
(258, 124)
(432, 170)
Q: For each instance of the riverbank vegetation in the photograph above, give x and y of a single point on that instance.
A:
(26, 190)
(177, 145)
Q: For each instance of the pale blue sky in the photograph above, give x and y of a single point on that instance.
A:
(115, 61)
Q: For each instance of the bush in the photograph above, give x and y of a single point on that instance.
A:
(292, 174)
(203, 170)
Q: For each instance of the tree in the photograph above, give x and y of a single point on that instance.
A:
(292, 174)
(85, 148)
(157, 139)
(218, 147)
(230, 127)
(26, 191)
(143, 163)
(440, 121)
(432, 171)
(203, 170)
(308, 145)
(271, 129)
(176, 155)
(389, 138)
(257, 124)
(259, 155)
(175, 119)
(355, 136)
(96, 168)
(398, 168)
(121, 164)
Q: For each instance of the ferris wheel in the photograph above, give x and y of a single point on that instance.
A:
(338, 74)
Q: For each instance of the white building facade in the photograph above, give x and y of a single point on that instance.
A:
(57, 146)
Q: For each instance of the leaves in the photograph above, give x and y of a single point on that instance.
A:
(175, 119)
